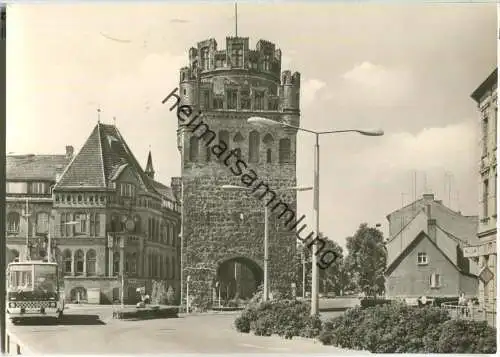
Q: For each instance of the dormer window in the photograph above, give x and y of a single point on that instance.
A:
(127, 190)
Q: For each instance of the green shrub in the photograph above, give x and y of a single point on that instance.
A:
(286, 318)
(462, 336)
(313, 325)
(391, 328)
(242, 323)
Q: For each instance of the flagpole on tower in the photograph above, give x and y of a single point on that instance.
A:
(236, 17)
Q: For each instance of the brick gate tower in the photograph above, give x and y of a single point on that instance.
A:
(223, 231)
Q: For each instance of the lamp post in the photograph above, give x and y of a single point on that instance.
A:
(265, 296)
(268, 122)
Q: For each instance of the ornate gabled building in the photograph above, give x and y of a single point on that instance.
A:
(223, 232)
(112, 226)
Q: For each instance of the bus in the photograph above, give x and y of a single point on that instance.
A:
(33, 290)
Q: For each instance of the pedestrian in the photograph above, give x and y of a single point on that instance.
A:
(462, 302)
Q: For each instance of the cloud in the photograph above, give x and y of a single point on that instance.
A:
(376, 84)
(428, 149)
(310, 89)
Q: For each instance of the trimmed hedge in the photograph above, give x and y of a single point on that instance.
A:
(370, 302)
(148, 313)
(462, 336)
(286, 318)
(398, 328)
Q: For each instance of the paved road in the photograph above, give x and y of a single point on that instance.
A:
(92, 331)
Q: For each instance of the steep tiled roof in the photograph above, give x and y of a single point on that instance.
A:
(104, 153)
(163, 190)
(86, 169)
(35, 167)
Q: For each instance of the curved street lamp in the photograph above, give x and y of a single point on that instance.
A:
(260, 121)
(265, 295)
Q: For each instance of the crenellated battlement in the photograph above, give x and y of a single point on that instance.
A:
(265, 58)
(239, 78)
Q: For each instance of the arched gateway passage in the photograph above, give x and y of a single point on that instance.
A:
(238, 278)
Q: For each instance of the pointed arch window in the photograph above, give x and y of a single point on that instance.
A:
(79, 262)
(254, 143)
(194, 146)
(284, 150)
(67, 262)
(269, 156)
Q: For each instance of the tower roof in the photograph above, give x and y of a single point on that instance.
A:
(149, 165)
(103, 155)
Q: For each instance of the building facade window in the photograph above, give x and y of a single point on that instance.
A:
(486, 190)
(284, 151)
(218, 103)
(269, 156)
(237, 57)
(254, 146)
(37, 188)
(67, 262)
(422, 258)
(95, 224)
(258, 103)
(116, 263)
(246, 103)
(81, 223)
(133, 263)
(127, 190)
(205, 99)
(193, 148)
(484, 135)
(91, 262)
(79, 262)
(232, 99)
(42, 223)
(66, 226)
(13, 219)
(435, 280)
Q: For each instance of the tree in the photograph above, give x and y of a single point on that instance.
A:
(367, 260)
(330, 278)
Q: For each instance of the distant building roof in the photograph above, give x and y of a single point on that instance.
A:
(35, 167)
(486, 85)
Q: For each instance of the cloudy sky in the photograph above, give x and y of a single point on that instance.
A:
(408, 69)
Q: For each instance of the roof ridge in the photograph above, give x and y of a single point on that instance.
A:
(404, 227)
(407, 206)
(101, 155)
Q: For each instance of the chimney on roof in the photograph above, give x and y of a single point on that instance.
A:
(69, 151)
(431, 229)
